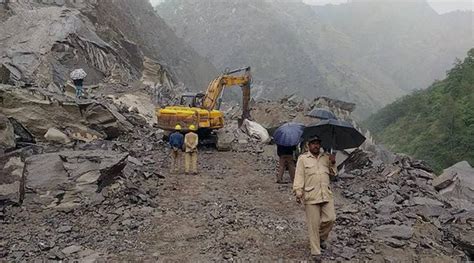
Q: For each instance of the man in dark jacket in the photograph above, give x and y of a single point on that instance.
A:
(286, 162)
(79, 87)
(176, 141)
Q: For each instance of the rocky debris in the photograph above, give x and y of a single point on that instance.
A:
(457, 182)
(7, 134)
(272, 114)
(399, 207)
(140, 102)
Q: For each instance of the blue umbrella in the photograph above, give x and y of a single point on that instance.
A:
(289, 134)
(321, 114)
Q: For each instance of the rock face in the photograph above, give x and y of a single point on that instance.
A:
(40, 111)
(140, 24)
(45, 51)
(87, 34)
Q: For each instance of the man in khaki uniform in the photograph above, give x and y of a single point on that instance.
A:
(312, 187)
(190, 155)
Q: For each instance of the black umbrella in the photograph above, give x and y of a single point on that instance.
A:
(321, 114)
(335, 134)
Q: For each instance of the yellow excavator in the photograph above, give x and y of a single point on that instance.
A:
(202, 109)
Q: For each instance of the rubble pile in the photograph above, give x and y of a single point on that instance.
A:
(389, 207)
(67, 188)
(272, 114)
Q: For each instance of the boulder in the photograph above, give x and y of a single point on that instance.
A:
(256, 130)
(55, 135)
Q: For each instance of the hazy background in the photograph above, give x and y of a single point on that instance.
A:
(440, 6)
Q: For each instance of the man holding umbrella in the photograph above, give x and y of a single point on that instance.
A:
(286, 138)
(312, 188)
(313, 171)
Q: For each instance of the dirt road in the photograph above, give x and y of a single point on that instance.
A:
(232, 209)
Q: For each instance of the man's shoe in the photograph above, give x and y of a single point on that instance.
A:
(323, 244)
(316, 258)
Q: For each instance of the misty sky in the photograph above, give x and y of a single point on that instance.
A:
(441, 6)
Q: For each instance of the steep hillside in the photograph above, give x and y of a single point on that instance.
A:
(137, 21)
(289, 48)
(408, 41)
(437, 124)
(369, 53)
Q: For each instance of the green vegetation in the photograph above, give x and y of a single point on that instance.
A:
(437, 124)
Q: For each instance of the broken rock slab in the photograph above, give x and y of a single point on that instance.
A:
(456, 181)
(11, 175)
(67, 179)
(394, 231)
(428, 207)
(39, 111)
(22, 135)
(7, 135)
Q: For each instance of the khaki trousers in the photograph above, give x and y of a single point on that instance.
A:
(175, 160)
(320, 219)
(286, 161)
(190, 159)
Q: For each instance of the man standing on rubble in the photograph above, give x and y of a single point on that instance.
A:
(176, 140)
(78, 76)
(190, 155)
(312, 187)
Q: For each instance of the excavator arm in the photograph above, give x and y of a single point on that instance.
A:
(216, 87)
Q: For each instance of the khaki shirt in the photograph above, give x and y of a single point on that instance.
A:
(312, 178)
(190, 142)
